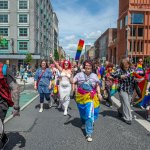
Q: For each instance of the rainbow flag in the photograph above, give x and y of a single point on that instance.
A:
(79, 49)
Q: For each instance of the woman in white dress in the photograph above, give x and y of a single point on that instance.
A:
(64, 84)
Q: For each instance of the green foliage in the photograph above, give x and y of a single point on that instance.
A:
(28, 58)
(56, 55)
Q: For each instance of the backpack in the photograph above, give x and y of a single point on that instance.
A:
(5, 92)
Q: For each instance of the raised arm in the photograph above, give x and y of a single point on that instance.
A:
(57, 66)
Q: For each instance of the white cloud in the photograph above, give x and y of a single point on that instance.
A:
(93, 35)
(76, 23)
(70, 37)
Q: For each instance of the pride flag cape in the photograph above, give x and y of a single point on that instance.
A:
(88, 104)
(79, 49)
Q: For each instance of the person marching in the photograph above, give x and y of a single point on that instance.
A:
(42, 83)
(145, 103)
(88, 97)
(64, 84)
(9, 97)
(126, 88)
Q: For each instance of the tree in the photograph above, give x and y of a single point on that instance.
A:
(56, 55)
(28, 58)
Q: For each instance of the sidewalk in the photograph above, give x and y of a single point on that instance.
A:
(29, 81)
(27, 95)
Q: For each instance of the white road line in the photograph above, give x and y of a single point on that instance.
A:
(144, 123)
(140, 120)
(23, 107)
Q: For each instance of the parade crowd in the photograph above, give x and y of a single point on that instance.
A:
(89, 84)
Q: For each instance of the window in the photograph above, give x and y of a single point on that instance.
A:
(4, 18)
(4, 31)
(120, 24)
(23, 31)
(23, 45)
(3, 4)
(137, 18)
(140, 31)
(23, 18)
(4, 45)
(133, 31)
(126, 20)
(23, 4)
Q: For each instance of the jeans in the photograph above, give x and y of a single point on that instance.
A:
(46, 95)
(88, 125)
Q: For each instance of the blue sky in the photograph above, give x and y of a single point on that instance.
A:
(83, 19)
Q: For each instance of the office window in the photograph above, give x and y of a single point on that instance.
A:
(140, 32)
(137, 18)
(120, 24)
(23, 31)
(23, 45)
(3, 18)
(126, 20)
(3, 4)
(4, 31)
(23, 4)
(133, 31)
(23, 18)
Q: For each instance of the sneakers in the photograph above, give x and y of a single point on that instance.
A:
(4, 141)
(129, 122)
(50, 104)
(89, 138)
(65, 113)
(41, 110)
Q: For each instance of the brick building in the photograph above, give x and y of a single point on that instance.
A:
(133, 35)
(105, 46)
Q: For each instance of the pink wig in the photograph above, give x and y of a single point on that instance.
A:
(69, 64)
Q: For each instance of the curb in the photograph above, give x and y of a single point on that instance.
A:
(22, 108)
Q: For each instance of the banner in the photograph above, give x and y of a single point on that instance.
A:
(79, 49)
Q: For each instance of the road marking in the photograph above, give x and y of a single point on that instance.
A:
(23, 107)
(141, 121)
(144, 123)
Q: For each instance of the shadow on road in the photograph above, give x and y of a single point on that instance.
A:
(15, 139)
(77, 123)
(45, 106)
(110, 113)
(141, 113)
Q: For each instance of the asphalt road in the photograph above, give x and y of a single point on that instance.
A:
(50, 130)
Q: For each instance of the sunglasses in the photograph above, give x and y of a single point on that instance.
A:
(88, 68)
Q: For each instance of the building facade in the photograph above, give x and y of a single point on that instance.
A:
(26, 26)
(133, 37)
(103, 49)
(55, 31)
